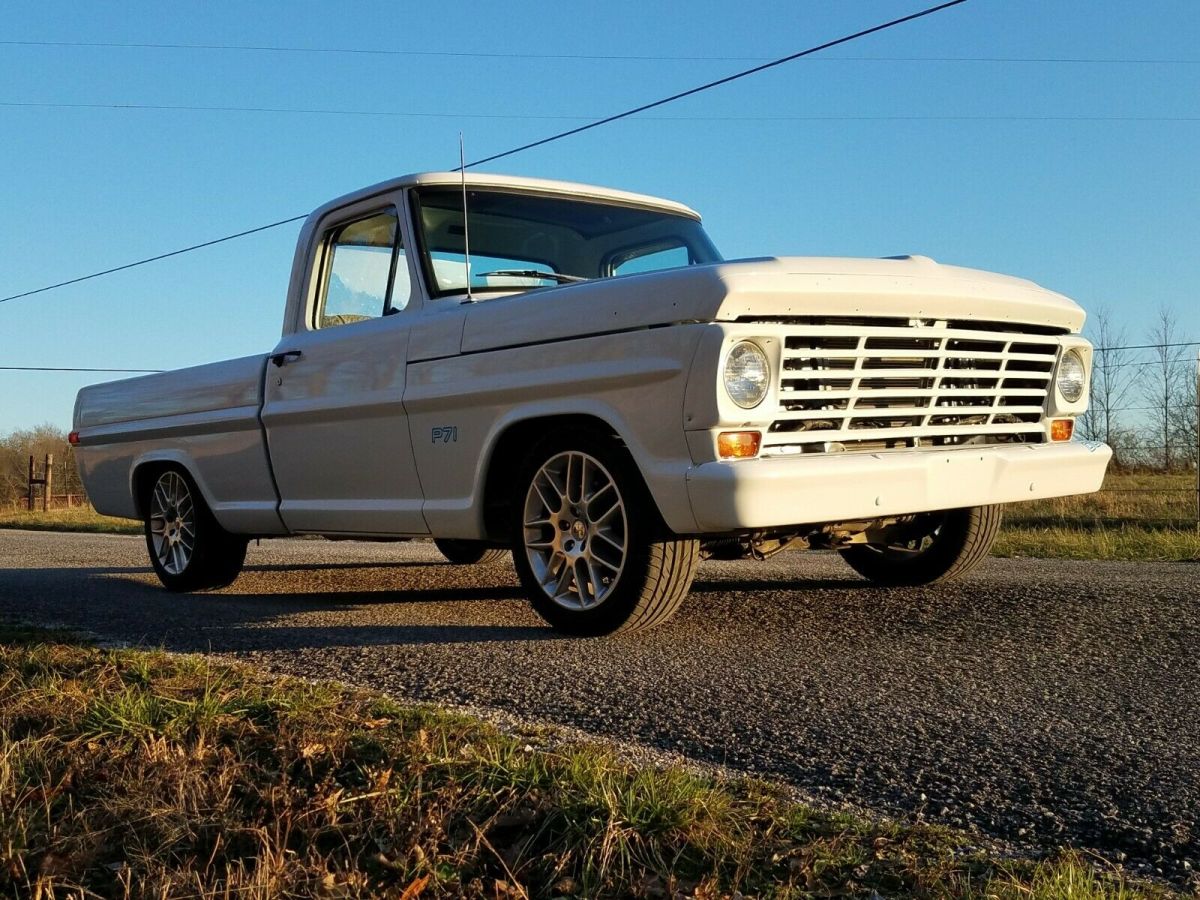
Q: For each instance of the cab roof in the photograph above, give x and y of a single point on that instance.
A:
(509, 182)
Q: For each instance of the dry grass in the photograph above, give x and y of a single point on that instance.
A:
(1137, 516)
(1126, 499)
(1133, 543)
(129, 774)
(80, 518)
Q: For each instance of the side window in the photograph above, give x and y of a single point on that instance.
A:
(364, 269)
(652, 259)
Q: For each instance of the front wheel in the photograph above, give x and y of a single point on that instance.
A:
(189, 550)
(935, 547)
(588, 545)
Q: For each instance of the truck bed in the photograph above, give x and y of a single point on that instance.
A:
(206, 417)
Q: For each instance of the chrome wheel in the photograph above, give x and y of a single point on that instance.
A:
(576, 532)
(172, 522)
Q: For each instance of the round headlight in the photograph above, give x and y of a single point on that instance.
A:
(1072, 376)
(747, 375)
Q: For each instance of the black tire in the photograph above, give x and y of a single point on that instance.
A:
(214, 558)
(466, 553)
(655, 570)
(962, 539)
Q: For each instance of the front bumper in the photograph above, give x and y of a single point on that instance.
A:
(839, 487)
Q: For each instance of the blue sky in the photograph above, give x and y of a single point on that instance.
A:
(1105, 211)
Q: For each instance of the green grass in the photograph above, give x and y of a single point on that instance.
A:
(80, 518)
(134, 774)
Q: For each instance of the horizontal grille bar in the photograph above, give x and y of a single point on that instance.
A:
(876, 412)
(856, 353)
(808, 437)
(950, 393)
(897, 373)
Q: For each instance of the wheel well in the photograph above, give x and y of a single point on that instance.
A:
(143, 477)
(510, 448)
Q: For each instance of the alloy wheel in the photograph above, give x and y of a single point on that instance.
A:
(576, 530)
(172, 522)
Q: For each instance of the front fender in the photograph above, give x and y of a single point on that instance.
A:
(634, 382)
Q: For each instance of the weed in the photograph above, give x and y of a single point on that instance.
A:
(128, 774)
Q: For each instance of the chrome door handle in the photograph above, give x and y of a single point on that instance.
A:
(280, 358)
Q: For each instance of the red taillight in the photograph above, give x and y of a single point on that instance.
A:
(73, 438)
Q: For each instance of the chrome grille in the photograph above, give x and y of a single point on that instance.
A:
(886, 386)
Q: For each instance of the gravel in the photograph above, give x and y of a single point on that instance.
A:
(1045, 703)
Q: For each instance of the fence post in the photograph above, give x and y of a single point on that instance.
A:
(48, 482)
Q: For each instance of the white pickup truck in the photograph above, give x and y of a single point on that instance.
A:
(575, 374)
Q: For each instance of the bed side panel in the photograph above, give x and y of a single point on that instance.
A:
(205, 418)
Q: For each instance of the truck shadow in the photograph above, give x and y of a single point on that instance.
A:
(127, 604)
(234, 639)
(262, 611)
(321, 601)
(318, 567)
(776, 584)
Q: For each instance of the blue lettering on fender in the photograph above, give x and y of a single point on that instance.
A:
(445, 434)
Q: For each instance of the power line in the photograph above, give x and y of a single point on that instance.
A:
(1186, 490)
(367, 51)
(74, 369)
(720, 81)
(150, 259)
(1149, 347)
(1141, 364)
(556, 137)
(166, 107)
(1100, 408)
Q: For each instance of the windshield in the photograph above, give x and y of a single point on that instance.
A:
(522, 241)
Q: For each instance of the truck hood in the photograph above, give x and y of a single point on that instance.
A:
(767, 288)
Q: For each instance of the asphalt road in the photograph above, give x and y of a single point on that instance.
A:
(1041, 702)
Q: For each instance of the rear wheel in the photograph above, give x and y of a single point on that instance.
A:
(588, 545)
(936, 547)
(188, 549)
(465, 553)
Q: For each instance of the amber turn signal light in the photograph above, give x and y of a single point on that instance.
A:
(738, 444)
(1061, 429)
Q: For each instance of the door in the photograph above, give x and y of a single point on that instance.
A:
(335, 423)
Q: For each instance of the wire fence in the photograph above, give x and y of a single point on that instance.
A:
(1145, 404)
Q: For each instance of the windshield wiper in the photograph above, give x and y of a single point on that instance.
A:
(556, 277)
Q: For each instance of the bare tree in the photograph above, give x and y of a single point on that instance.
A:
(1187, 428)
(1165, 387)
(17, 447)
(1112, 384)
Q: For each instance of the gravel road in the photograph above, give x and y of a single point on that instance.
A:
(1041, 702)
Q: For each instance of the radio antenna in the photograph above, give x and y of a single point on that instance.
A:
(462, 171)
